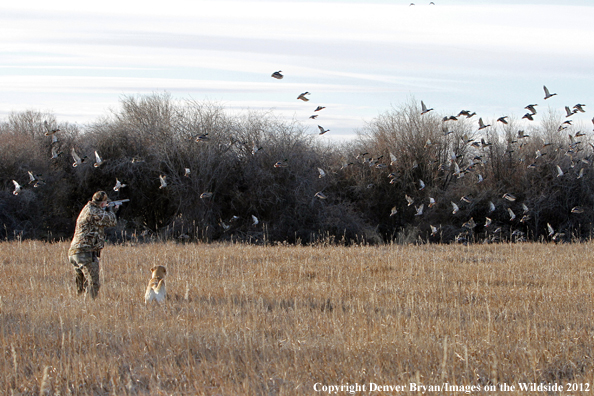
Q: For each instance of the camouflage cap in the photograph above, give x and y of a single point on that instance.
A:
(100, 196)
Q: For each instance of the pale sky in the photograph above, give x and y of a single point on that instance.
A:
(357, 58)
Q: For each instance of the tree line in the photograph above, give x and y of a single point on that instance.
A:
(258, 178)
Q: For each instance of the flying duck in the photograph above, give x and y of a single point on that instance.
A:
(77, 160)
(98, 160)
(322, 130)
(49, 131)
(424, 108)
(528, 116)
(118, 185)
(419, 210)
(547, 93)
(17, 188)
(482, 124)
(531, 108)
(455, 208)
(302, 96)
(320, 195)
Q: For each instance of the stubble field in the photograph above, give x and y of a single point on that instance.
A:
(285, 320)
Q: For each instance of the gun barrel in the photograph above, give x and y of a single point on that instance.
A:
(119, 202)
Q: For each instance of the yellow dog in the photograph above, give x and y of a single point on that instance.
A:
(155, 291)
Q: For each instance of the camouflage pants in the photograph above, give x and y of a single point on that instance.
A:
(86, 268)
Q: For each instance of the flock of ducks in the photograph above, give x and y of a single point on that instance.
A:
(37, 181)
(458, 172)
(303, 96)
(507, 197)
(99, 161)
(283, 164)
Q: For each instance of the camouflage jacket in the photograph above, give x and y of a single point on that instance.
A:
(89, 235)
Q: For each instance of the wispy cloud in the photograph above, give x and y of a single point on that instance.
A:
(359, 56)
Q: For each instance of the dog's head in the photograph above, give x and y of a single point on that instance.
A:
(159, 271)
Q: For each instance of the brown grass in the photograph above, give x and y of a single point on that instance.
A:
(253, 320)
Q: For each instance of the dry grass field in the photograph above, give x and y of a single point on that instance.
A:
(277, 320)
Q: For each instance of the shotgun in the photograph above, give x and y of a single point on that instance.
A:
(117, 203)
